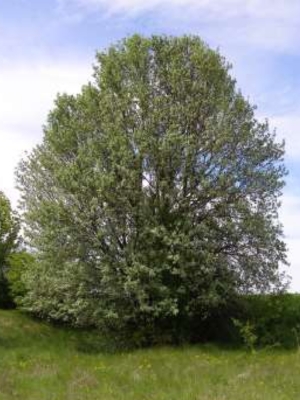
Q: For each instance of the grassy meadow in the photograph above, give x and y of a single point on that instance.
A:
(41, 362)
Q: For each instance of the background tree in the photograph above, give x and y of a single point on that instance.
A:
(154, 194)
(19, 262)
(9, 229)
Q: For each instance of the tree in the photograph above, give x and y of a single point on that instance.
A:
(154, 194)
(9, 228)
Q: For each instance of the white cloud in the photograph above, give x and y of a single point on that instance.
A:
(26, 95)
(28, 91)
(294, 269)
(271, 24)
(288, 128)
(222, 9)
(290, 217)
(13, 143)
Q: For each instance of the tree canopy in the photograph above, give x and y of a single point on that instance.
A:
(154, 193)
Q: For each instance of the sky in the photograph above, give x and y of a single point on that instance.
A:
(48, 47)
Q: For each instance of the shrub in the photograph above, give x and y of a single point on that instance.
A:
(272, 320)
(9, 242)
(275, 317)
(18, 265)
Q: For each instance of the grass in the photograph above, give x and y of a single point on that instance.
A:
(40, 362)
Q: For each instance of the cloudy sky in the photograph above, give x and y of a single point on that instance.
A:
(49, 46)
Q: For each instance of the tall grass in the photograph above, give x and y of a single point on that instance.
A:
(40, 362)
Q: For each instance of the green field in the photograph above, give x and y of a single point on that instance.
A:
(39, 362)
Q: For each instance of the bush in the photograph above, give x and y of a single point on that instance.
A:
(9, 242)
(250, 320)
(19, 263)
(274, 320)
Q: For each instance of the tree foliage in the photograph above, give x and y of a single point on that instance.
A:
(154, 193)
(9, 228)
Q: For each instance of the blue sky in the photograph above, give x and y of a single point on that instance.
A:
(49, 46)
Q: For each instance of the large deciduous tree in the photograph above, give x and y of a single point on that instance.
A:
(154, 193)
(9, 228)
